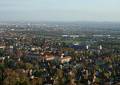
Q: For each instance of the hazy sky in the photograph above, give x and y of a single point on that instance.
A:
(60, 10)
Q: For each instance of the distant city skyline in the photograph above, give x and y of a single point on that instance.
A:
(60, 10)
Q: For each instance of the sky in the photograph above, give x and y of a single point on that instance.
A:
(60, 10)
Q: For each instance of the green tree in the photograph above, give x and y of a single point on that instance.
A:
(1, 73)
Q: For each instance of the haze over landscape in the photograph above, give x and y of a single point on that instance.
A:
(59, 42)
(60, 10)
